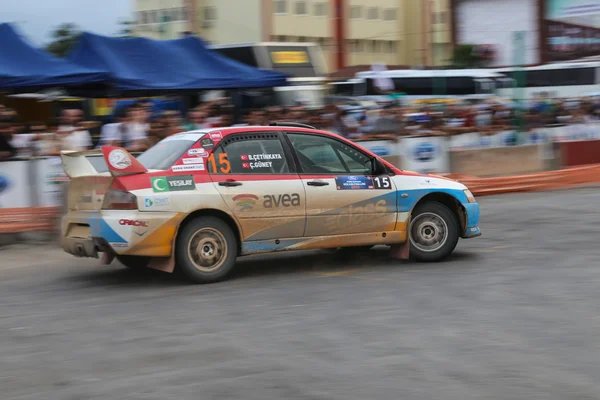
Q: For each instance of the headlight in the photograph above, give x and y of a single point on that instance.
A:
(470, 196)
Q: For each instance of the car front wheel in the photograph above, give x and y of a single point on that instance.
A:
(206, 250)
(434, 232)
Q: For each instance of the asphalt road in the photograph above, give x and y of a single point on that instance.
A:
(514, 314)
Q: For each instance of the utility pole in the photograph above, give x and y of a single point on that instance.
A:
(339, 29)
(191, 8)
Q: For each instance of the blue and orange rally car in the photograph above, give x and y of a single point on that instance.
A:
(198, 200)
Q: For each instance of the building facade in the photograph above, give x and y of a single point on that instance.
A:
(552, 30)
(392, 32)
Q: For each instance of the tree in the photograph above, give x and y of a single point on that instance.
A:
(465, 56)
(64, 37)
(127, 29)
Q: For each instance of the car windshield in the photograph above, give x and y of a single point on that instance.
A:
(166, 152)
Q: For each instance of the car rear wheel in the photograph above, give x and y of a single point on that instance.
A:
(434, 232)
(206, 250)
(134, 262)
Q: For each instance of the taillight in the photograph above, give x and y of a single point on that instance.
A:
(119, 200)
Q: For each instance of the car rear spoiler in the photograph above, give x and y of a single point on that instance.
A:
(118, 161)
(121, 163)
(76, 164)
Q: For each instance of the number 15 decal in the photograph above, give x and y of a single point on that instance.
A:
(382, 182)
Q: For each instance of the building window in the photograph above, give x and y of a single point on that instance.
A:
(356, 12)
(176, 14)
(390, 47)
(184, 14)
(444, 17)
(355, 46)
(152, 17)
(322, 42)
(320, 9)
(143, 18)
(389, 14)
(373, 13)
(210, 13)
(281, 6)
(300, 8)
(374, 46)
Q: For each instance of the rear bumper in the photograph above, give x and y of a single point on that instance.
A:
(80, 247)
(85, 234)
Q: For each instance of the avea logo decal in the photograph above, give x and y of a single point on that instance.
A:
(281, 200)
(355, 215)
(245, 201)
(424, 152)
(4, 184)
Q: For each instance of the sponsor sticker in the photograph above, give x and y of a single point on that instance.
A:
(245, 201)
(119, 159)
(353, 182)
(355, 215)
(193, 161)
(207, 143)
(197, 152)
(133, 222)
(194, 167)
(150, 202)
(216, 136)
(172, 183)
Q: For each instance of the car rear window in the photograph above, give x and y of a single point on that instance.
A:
(165, 153)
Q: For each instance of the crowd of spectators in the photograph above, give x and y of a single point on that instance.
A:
(138, 127)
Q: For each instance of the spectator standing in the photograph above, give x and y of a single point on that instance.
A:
(6, 149)
(72, 134)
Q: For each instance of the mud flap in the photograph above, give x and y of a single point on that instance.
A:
(401, 251)
(165, 264)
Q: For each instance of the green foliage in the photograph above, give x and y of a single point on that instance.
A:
(464, 56)
(127, 29)
(64, 37)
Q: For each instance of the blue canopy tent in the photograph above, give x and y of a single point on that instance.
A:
(141, 66)
(24, 68)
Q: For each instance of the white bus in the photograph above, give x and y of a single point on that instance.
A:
(560, 80)
(303, 62)
(423, 84)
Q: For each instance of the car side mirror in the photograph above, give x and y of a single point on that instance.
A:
(378, 167)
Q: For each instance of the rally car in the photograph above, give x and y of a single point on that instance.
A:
(198, 200)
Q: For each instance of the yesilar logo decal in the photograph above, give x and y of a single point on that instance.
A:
(172, 183)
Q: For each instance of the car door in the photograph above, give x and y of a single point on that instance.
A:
(259, 184)
(342, 195)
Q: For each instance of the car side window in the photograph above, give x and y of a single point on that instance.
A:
(323, 155)
(249, 154)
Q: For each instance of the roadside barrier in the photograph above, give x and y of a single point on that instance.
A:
(28, 219)
(550, 180)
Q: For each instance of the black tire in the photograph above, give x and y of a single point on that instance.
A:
(134, 262)
(215, 254)
(433, 232)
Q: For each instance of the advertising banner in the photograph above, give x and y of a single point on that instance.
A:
(14, 184)
(49, 178)
(425, 154)
(572, 29)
